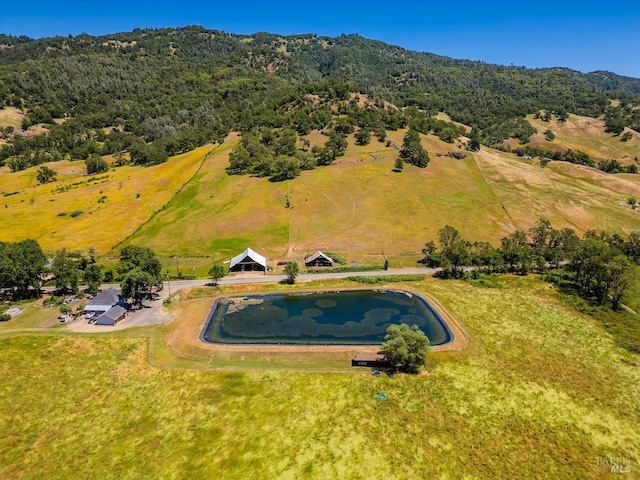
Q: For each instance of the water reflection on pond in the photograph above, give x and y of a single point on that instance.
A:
(337, 317)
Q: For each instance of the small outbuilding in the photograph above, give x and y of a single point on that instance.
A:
(373, 360)
(319, 259)
(112, 316)
(102, 301)
(248, 261)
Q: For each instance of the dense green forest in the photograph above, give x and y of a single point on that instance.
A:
(156, 93)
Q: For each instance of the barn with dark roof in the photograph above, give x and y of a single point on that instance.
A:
(319, 259)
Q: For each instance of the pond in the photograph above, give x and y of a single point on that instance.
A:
(346, 317)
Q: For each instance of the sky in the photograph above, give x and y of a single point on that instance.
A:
(581, 35)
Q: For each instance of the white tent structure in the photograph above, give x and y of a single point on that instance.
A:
(248, 261)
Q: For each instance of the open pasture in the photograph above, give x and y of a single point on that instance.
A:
(541, 391)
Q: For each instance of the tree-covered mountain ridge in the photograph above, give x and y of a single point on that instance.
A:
(198, 42)
(162, 92)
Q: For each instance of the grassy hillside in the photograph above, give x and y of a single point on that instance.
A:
(542, 392)
(361, 208)
(10, 117)
(111, 205)
(570, 195)
(357, 207)
(586, 134)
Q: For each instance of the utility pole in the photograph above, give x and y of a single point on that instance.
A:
(169, 285)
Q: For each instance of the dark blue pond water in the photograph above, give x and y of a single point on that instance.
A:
(344, 317)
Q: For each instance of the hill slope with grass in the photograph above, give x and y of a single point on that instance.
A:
(78, 211)
(358, 206)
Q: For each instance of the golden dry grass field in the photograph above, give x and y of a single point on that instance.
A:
(113, 204)
(542, 391)
(10, 117)
(586, 134)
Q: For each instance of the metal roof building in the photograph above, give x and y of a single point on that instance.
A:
(318, 259)
(102, 302)
(248, 261)
(111, 316)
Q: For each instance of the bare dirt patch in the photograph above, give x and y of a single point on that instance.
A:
(117, 44)
(50, 322)
(38, 130)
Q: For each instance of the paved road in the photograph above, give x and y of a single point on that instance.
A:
(176, 285)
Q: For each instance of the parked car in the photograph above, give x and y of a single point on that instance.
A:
(64, 318)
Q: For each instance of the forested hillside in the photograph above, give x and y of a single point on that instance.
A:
(149, 94)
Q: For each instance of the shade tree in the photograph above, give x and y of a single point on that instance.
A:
(22, 265)
(291, 271)
(412, 150)
(406, 346)
(64, 268)
(140, 271)
(96, 164)
(93, 276)
(216, 272)
(45, 174)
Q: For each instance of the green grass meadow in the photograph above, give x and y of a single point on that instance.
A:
(541, 391)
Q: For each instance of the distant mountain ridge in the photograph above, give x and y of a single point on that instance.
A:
(182, 87)
(613, 82)
(606, 80)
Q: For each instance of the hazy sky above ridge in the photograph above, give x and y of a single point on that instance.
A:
(584, 36)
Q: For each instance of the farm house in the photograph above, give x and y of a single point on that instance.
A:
(102, 302)
(318, 259)
(248, 261)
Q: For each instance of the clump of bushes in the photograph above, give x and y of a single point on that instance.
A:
(336, 258)
(76, 213)
(482, 280)
(387, 278)
(351, 268)
(52, 301)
